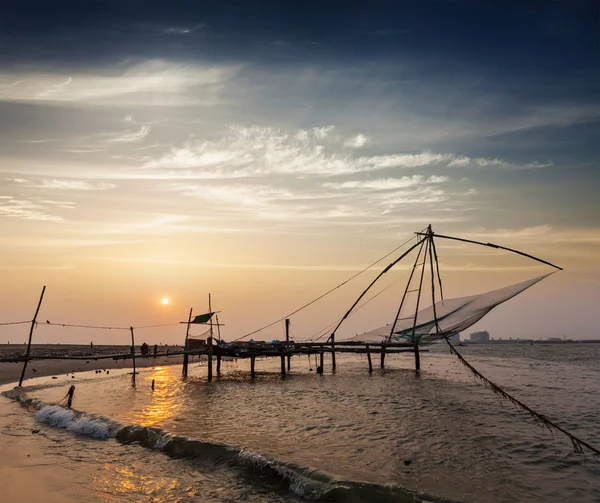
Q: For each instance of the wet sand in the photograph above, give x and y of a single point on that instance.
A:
(11, 372)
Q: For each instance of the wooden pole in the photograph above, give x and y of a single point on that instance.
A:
(321, 362)
(332, 351)
(417, 358)
(210, 343)
(372, 283)
(415, 341)
(383, 356)
(70, 395)
(252, 362)
(210, 355)
(132, 355)
(369, 358)
(184, 370)
(219, 364)
(218, 328)
(282, 363)
(31, 335)
(287, 340)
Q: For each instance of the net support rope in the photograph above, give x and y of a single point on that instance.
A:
(324, 294)
(540, 419)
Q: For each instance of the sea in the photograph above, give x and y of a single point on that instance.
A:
(346, 436)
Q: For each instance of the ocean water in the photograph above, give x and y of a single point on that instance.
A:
(346, 436)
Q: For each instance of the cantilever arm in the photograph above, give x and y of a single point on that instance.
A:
(373, 282)
(492, 245)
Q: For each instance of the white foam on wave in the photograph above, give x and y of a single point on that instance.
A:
(59, 417)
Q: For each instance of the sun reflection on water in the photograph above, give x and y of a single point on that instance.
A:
(163, 400)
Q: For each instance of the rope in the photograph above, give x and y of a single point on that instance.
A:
(325, 294)
(578, 444)
(105, 328)
(326, 329)
(15, 323)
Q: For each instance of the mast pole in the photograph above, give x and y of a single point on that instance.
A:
(435, 318)
(416, 343)
(372, 283)
(412, 272)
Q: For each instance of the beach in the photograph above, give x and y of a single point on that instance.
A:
(11, 372)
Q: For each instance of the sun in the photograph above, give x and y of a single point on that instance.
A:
(164, 301)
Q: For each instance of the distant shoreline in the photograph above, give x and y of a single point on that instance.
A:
(11, 372)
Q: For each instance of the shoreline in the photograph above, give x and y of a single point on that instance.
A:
(11, 372)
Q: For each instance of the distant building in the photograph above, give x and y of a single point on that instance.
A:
(482, 336)
(554, 339)
(454, 337)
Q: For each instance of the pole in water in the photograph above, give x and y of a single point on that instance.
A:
(70, 395)
(332, 351)
(30, 336)
(383, 356)
(417, 358)
(152, 383)
(321, 363)
(287, 340)
(184, 370)
(252, 362)
(369, 358)
(132, 355)
(210, 355)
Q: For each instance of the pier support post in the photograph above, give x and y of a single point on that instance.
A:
(219, 365)
(186, 359)
(282, 363)
(210, 355)
(132, 356)
(383, 356)
(321, 362)
(252, 362)
(369, 358)
(332, 351)
(417, 358)
(287, 340)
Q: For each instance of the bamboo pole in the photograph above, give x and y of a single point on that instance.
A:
(372, 283)
(287, 340)
(416, 342)
(184, 370)
(369, 358)
(218, 364)
(406, 291)
(492, 245)
(210, 342)
(132, 356)
(332, 352)
(382, 356)
(31, 335)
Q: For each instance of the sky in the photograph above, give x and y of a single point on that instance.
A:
(265, 152)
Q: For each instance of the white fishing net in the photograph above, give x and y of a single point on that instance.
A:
(453, 316)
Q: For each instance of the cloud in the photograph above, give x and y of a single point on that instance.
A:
(76, 185)
(154, 82)
(257, 151)
(356, 142)
(130, 137)
(182, 30)
(25, 210)
(387, 183)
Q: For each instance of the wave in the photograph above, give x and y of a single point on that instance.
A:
(302, 481)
